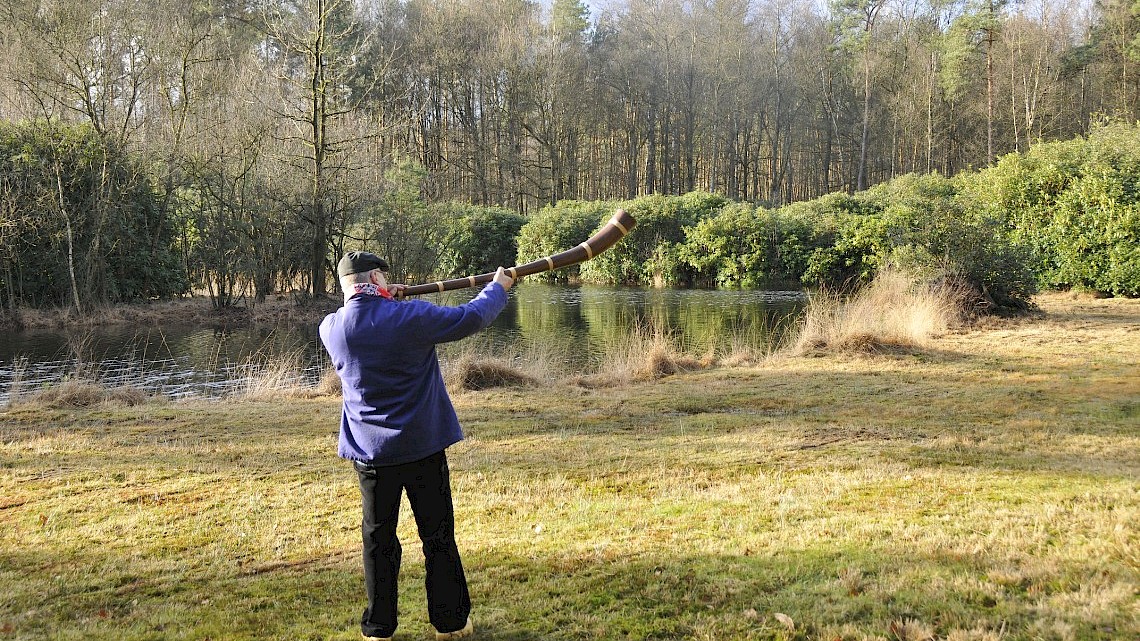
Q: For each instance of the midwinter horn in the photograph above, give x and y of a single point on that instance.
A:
(614, 230)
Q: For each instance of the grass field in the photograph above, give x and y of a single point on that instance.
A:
(982, 488)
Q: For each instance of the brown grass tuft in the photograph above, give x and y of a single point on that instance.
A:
(644, 355)
(911, 630)
(74, 393)
(479, 374)
(273, 378)
(976, 634)
(661, 362)
(890, 313)
(745, 350)
(79, 393)
(329, 384)
(852, 581)
(129, 396)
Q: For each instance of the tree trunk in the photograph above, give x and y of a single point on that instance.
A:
(861, 179)
(318, 121)
(70, 241)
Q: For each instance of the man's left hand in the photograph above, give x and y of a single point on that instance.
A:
(397, 290)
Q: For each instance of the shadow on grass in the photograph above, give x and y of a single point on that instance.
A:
(955, 416)
(661, 595)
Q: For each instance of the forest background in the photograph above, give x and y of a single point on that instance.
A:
(238, 147)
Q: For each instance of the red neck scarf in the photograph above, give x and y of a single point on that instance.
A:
(369, 289)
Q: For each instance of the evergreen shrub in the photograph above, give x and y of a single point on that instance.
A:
(650, 254)
(745, 246)
(479, 239)
(556, 228)
(1074, 204)
(73, 202)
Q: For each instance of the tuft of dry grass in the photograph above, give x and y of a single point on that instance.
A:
(330, 384)
(646, 354)
(891, 312)
(72, 393)
(743, 353)
(128, 396)
(477, 364)
(911, 630)
(976, 634)
(852, 581)
(481, 374)
(16, 384)
(271, 378)
(81, 393)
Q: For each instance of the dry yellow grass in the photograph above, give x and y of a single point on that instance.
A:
(646, 354)
(890, 312)
(78, 393)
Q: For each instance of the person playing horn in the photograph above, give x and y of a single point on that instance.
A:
(396, 424)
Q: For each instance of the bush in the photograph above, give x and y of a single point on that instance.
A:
(1064, 214)
(841, 249)
(479, 239)
(649, 255)
(743, 246)
(922, 224)
(933, 231)
(65, 191)
(556, 228)
(1096, 235)
(1073, 205)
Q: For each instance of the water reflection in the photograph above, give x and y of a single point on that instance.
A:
(588, 320)
(574, 325)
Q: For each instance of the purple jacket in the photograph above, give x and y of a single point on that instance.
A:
(396, 409)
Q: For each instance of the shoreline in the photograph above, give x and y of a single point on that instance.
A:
(193, 311)
(196, 311)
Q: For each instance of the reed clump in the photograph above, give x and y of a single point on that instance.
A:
(748, 348)
(478, 364)
(481, 374)
(273, 378)
(330, 384)
(892, 312)
(82, 393)
(646, 354)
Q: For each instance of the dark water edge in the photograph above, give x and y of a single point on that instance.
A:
(573, 325)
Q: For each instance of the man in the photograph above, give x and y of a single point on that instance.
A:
(396, 423)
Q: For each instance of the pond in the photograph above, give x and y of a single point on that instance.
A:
(576, 325)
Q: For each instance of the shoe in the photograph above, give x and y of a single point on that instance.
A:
(467, 631)
(368, 638)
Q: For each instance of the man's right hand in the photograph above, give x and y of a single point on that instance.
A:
(504, 279)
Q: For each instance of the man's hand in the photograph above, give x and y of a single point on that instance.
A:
(397, 291)
(504, 279)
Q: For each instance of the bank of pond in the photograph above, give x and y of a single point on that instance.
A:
(567, 327)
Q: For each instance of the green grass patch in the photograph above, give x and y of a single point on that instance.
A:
(984, 488)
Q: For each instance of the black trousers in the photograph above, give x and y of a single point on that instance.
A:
(428, 484)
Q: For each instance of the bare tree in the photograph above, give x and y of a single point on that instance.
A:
(315, 45)
(856, 22)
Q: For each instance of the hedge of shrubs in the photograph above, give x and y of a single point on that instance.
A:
(1062, 215)
(1076, 205)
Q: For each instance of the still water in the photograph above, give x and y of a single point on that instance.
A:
(569, 326)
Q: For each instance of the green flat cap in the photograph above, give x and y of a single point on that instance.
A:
(356, 262)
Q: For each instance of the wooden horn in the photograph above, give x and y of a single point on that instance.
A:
(614, 230)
